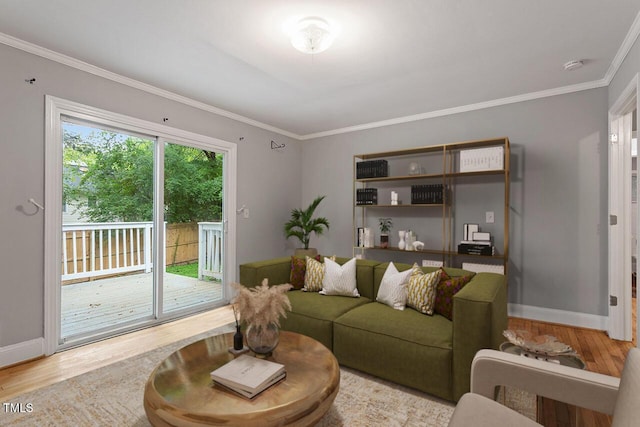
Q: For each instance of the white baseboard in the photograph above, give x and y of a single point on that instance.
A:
(22, 351)
(571, 318)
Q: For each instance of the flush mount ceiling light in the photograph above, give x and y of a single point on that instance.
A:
(573, 65)
(312, 35)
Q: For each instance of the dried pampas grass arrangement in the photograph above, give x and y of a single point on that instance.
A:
(263, 304)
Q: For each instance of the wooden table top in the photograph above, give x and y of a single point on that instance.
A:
(180, 390)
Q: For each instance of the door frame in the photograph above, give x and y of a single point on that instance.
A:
(55, 108)
(619, 187)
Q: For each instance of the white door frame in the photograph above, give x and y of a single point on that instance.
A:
(619, 254)
(57, 107)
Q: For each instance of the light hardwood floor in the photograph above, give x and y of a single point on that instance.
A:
(599, 352)
(28, 376)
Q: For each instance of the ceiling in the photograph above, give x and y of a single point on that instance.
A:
(392, 58)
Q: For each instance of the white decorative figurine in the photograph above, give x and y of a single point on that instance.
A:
(418, 245)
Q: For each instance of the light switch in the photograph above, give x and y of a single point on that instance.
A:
(245, 212)
(489, 217)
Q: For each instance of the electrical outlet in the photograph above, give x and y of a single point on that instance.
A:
(490, 218)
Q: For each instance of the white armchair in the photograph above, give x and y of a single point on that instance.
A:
(597, 392)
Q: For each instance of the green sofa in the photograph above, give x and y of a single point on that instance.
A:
(429, 353)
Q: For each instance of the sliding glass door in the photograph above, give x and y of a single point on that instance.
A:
(107, 225)
(142, 228)
(193, 211)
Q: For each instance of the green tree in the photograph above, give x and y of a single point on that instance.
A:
(114, 174)
(193, 184)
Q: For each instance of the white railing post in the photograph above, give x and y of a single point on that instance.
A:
(201, 251)
(126, 236)
(65, 267)
(147, 248)
(163, 248)
(210, 246)
(75, 264)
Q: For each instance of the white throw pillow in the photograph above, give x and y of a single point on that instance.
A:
(393, 287)
(339, 280)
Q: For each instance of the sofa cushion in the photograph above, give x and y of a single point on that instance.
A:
(421, 290)
(379, 270)
(407, 325)
(313, 314)
(325, 307)
(393, 287)
(402, 346)
(314, 275)
(446, 289)
(364, 275)
(298, 270)
(277, 270)
(340, 279)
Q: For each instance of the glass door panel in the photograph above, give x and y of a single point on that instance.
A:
(107, 258)
(193, 206)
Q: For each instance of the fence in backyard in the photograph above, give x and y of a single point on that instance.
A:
(102, 249)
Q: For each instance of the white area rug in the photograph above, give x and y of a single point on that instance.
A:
(112, 396)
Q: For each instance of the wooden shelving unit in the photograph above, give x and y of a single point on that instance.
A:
(445, 160)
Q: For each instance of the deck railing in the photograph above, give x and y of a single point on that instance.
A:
(210, 250)
(100, 249)
(103, 249)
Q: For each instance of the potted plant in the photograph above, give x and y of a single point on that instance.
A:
(260, 308)
(302, 224)
(385, 226)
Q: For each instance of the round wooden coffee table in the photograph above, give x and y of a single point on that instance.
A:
(180, 391)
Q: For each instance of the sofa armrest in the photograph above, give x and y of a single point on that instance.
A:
(590, 390)
(276, 270)
(479, 318)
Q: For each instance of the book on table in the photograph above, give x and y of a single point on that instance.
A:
(248, 375)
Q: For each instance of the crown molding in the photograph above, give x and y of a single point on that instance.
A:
(462, 109)
(625, 47)
(136, 84)
(627, 44)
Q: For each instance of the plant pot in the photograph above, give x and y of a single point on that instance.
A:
(301, 253)
(384, 240)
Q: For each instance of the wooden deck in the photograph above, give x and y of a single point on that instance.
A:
(98, 304)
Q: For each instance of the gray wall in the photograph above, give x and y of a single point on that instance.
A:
(558, 193)
(628, 69)
(266, 178)
(558, 236)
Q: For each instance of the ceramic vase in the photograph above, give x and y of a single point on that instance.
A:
(401, 244)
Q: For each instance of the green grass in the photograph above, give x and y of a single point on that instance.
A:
(188, 270)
